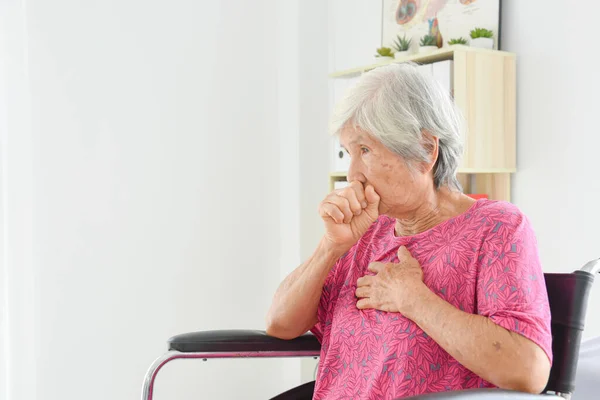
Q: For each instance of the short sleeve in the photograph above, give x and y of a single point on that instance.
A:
(511, 289)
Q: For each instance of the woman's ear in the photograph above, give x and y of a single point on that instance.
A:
(431, 144)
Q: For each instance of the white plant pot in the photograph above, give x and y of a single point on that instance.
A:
(483, 43)
(427, 49)
(399, 55)
(383, 59)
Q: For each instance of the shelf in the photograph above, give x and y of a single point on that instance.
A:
(338, 174)
(445, 53)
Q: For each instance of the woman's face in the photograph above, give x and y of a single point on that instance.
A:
(401, 190)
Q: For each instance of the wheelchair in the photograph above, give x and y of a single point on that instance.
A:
(568, 297)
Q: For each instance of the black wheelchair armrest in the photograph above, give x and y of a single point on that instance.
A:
(233, 341)
(485, 394)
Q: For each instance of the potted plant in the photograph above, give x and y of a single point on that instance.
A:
(482, 38)
(427, 44)
(401, 45)
(384, 54)
(460, 40)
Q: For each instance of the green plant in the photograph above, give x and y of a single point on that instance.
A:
(428, 40)
(460, 40)
(481, 33)
(384, 52)
(401, 43)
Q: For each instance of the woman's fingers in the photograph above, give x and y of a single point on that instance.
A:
(371, 196)
(355, 194)
(359, 191)
(343, 205)
(331, 211)
(365, 303)
(366, 280)
(362, 291)
(352, 198)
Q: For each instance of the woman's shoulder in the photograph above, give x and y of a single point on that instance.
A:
(491, 206)
(498, 210)
(502, 219)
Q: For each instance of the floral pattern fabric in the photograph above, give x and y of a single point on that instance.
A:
(484, 261)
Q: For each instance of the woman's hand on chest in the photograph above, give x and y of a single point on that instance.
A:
(395, 287)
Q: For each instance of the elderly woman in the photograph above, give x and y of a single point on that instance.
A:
(415, 287)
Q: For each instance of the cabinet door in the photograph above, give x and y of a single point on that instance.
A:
(485, 91)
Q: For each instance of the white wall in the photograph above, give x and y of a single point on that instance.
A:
(141, 193)
(314, 136)
(558, 137)
(314, 141)
(17, 275)
(355, 32)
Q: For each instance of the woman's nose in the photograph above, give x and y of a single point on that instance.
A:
(355, 174)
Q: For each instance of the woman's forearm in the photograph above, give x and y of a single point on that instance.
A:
(294, 307)
(503, 358)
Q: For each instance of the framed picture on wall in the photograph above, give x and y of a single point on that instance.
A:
(442, 19)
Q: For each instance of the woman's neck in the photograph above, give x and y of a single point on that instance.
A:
(439, 206)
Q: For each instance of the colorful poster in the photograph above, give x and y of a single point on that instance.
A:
(443, 19)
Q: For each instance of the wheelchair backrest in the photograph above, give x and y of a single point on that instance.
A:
(568, 296)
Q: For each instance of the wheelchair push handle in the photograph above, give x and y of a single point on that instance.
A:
(592, 267)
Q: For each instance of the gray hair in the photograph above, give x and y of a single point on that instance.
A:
(395, 104)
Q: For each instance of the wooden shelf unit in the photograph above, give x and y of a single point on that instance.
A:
(484, 83)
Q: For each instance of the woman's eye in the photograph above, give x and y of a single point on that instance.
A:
(364, 150)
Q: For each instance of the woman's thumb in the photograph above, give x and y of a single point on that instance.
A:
(372, 198)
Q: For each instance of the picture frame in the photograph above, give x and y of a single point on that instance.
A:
(443, 19)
